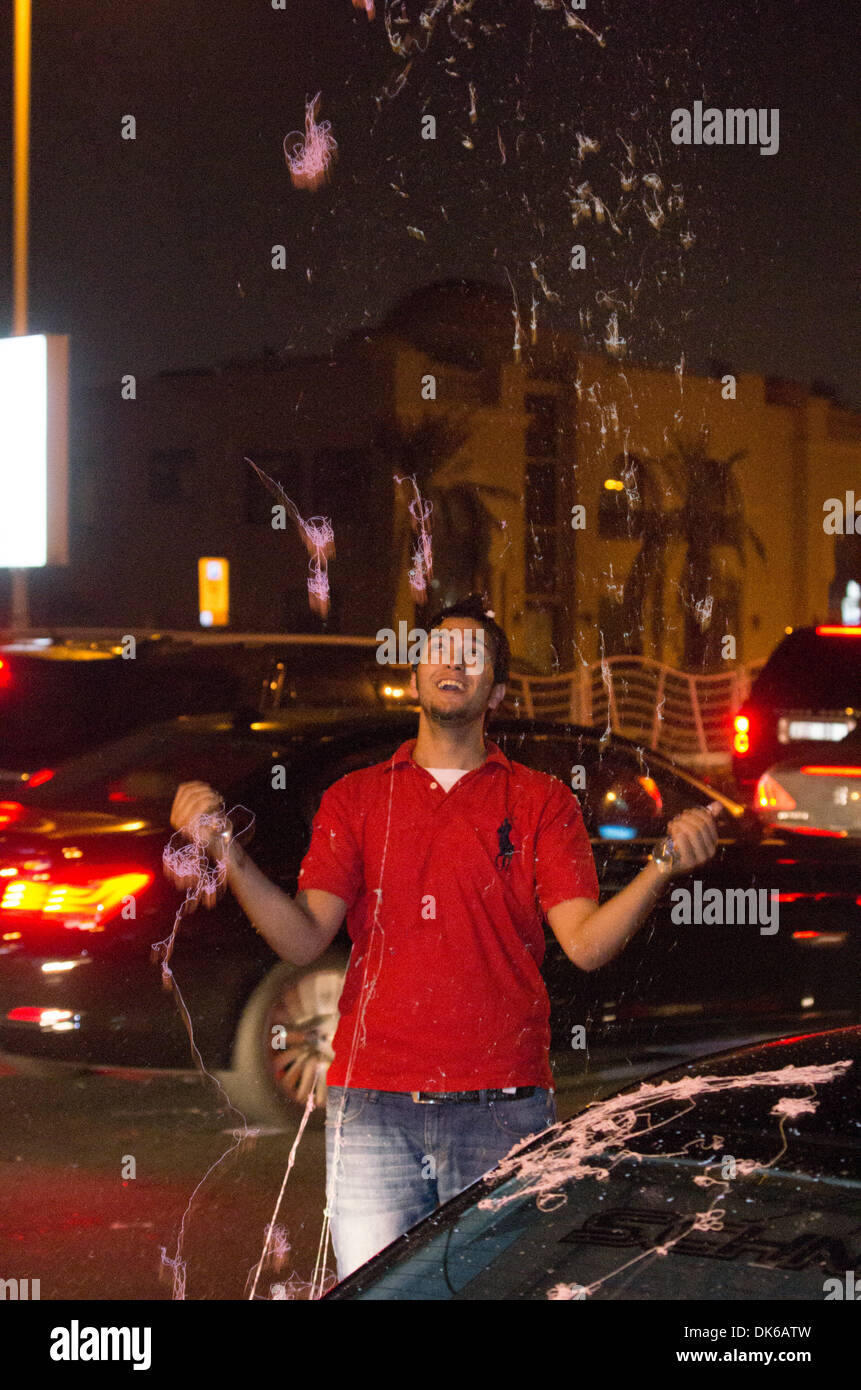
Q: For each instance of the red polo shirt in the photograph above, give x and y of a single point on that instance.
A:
(445, 893)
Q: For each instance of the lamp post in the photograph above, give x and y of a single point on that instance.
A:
(21, 181)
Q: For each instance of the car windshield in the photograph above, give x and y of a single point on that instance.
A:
(810, 672)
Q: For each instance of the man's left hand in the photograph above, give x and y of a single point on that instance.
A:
(695, 838)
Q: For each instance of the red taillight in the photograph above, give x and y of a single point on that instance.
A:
(831, 771)
(5, 673)
(36, 779)
(9, 812)
(57, 1020)
(771, 796)
(834, 630)
(813, 830)
(85, 906)
(650, 786)
(741, 737)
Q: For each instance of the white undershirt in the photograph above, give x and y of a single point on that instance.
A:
(447, 776)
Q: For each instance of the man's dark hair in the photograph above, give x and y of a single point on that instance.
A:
(474, 606)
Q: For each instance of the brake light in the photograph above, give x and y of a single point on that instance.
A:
(85, 906)
(815, 831)
(46, 1018)
(771, 796)
(9, 812)
(36, 779)
(741, 739)
(5, 673)
(812, 771)
(838, 631)
(650, 785)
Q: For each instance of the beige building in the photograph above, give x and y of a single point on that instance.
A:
(577, 490)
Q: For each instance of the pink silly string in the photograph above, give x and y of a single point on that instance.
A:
(311, 157)
(571, 1150)
(318, 537)
(188, 864)
(276, 1246)
(422, 567)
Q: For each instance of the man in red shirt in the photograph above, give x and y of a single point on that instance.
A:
(445, 859)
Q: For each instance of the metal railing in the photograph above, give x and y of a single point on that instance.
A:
(684, 716)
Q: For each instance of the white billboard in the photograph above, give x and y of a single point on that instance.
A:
(34, 446)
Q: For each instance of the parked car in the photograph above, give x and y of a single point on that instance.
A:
(815, 798)
(62, 694)
(78, 985)
(804, 702)
(726, 1179)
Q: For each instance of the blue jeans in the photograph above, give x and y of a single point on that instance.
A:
(399, 1160)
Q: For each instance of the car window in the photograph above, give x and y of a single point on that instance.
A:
(810, 672)
(623, 796)
(146, 768)
(358, 758)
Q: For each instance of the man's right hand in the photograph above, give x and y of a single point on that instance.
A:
(194, 799)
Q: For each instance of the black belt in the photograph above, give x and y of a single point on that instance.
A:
(506, 1093)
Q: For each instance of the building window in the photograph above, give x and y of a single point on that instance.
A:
(286, 467)
(168, 474)
(541, 568)
(542, 427)
(541, 494)
(339, 472)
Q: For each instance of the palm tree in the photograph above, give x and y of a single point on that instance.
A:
(461, 523)
(709, 512)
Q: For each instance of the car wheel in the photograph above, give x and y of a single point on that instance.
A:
(285, 1031)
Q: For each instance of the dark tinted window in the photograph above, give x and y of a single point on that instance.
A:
(807, 672)
(339, 766)
(147, 767)
(621, 797)
(169, 474)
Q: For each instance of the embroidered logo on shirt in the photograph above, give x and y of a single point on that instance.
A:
(506, 848)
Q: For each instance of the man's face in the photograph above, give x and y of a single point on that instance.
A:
(450, 691)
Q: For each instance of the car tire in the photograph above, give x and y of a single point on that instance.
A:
(285, 1031)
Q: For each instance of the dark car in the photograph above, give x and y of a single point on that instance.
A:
(60, 695)
(804, 702)
(732, 1178)
(83, 899)
(815, 797)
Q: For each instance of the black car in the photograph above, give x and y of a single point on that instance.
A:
(63, 694)
(732, 1178)
(83, 899)
(804, 702)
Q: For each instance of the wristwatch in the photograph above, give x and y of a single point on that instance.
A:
(665, 856)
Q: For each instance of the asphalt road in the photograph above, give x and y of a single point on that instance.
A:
(69, 1217)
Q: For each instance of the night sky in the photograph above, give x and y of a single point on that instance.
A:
(155, 253)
